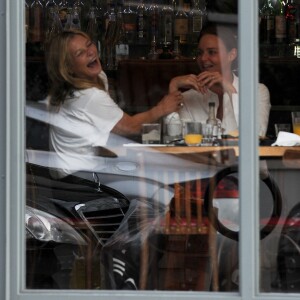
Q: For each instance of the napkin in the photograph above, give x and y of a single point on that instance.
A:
(287, 139)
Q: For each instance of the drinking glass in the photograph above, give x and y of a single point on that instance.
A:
(207, 132)
(282, 127)
(296, 122)
(151, 133)
(193, 133)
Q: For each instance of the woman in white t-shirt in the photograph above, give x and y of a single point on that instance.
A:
(82, 113)
(216, 82)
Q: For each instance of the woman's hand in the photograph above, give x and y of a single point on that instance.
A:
(170, 103)
(186, 81)
(215, 82)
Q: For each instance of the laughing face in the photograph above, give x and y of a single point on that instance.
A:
(213, 55)
(84, 60)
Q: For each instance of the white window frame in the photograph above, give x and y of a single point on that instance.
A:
(12, 248)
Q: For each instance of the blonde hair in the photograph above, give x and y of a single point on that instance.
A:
(62, 81)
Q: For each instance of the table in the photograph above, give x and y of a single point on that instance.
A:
(264, 151)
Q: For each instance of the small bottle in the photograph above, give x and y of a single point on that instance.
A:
(212, 120)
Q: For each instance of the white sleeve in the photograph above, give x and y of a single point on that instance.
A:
(103, 112)
(235, 105)
(264, 107)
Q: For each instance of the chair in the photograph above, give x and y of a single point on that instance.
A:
(189, 259)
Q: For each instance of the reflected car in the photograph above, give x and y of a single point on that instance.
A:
(68, 224)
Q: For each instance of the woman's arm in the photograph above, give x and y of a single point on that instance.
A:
(129, 125)
(186, 81)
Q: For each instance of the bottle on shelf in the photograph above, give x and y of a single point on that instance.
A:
(197, 16)
(291, 21)
(36, 22)
(280, 23)
(267, 23)
(110, 36)
(121, 44)
(153, 27)
(166, 24)
(181, 24)
(142, 21)
(130, 26)
(76, 16)
(92, 28)
(153, 54)
(50, 6)
(54, 25)
(64, 12)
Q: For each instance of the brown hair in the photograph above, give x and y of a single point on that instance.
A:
(62, 81)
(226, 33)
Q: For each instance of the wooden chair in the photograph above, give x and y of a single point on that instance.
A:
(189, 260)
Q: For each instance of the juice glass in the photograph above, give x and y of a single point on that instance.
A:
(193, 133)
(296, 122)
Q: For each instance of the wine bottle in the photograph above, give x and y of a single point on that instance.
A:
(166, 24)
(54, 25)
(291, 25)
(110, 36)
(64, 11)
(154, 21)
(142, 21)
(129, 18)
(92, 28)
(36, 25)
(181, 24)
(280, 23)
(196, 21)
(121, 45)
(267, 23)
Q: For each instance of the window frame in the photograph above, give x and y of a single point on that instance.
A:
(12, 164)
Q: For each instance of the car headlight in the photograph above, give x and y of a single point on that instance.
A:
(46, 227)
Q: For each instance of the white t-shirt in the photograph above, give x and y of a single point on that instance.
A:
(81, 123)
(196, 107)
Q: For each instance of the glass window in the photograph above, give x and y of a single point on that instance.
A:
(278, 61)
(108, 212)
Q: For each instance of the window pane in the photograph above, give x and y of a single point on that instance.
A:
(279, 246)
(104, 210)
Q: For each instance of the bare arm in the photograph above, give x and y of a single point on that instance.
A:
(186, 81)
(132, 124)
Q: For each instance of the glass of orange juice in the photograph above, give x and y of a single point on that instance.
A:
(296, 122)
(193, 133)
